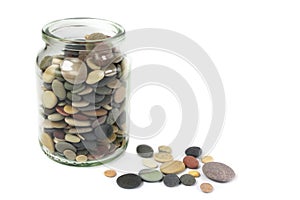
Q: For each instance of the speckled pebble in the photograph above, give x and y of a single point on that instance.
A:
(206, 187)
(218, 172)
(187, 180)
(110, 173)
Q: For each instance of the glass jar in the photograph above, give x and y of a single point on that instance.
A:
(83, 86)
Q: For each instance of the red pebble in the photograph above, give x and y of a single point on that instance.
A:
(191, 162)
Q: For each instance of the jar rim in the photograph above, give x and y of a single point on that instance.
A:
(48, 31)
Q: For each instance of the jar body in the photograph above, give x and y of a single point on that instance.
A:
(82, 87)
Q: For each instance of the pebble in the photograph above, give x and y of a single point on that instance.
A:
(110, 173)
(119, 95)
(207, 159)
(191, 162)
(87, 90)
(149, 162)
(195, 173)
(49, 124)
(61, 111)
(74, 122)
(99, 112)
(59, 134)
(218, 172)
(165, 149)
(69, 154)
(114, 84)
(95, 76)
(72, 138)
(55, 117)
(111, 70)
(74, 70)
(124, 68)
(73, 97)
(59, 90)
(129, 181)
(78, 130)
(49, 99)
(70, 110)
(163, 157)
(173, 167)
(46, 62)
(193, 151)
(187, 180)
(80, 104)
(144, 151)
(78, 88)
(80, 117)
(47, 141)
(49, 74)
(81, 158)
(206, 187)
(62, 146)
(103, 90)
(171, 180)
(91, 64)
(151, 175)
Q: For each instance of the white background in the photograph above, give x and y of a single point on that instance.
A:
(255, 46)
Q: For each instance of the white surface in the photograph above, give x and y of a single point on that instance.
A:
(255, 46)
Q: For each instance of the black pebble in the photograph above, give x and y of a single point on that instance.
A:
(171, 180)
(129, 181)
(187, 180)
(144, 151)
(193, 151)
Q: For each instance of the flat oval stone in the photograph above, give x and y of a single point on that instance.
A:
(47, 141)
(111, 70)
(55, 117)
(149, 162)
(129, 181)
(110, 173)
(70, 110)
(50, 73)
(73, 97)
(165, 149)
(69, 154)
(80, 104)
(61, 111)
(87, 90)
(207, 159)
(195, 173)
(74, 122)
(91, 64)
(163, 157)
(74, 70)
(103, 90)
(81, 158)
(119, 95)
(78, 88)
(187, 180)
(113, 116)
(151, 175)
(99, 112)
(144, 151)
(49, 99)
(124, 68)
(95, 76)
(62, 146)
(93, 98)
(79, 130)
(191, 162)
(80, 117)
(206, 187)
(218, 172)
(173, 167)
(72, 138)
(46, 62)
(58, 89)
(114, 84)
(49, 124)
(193, 151)
(171, 180)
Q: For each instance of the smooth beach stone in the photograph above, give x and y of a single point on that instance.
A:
(72, 138)
(99, 121)
(103, 90)
(46, 62)
(81, 158)
(47, 141)
(58, 89)
(78, 88)
(187, 180)
(111, 70)
(80, 117)
(49, 99)
(59, 134)
(86, 90)
(62, 103)
(55, 117)
(150, 163)
(193, 151)
(129, 181)
(110, 173)
(172, 167)
(191, 162)
(73, 97)
(171, 180)
(206, 187)
(165, 149)
(99, 112)
(62, 146)
(124, 68)
(207, 159)
(68, 86)
(93, 98)
(151, 175)
(69, 154)
(163, 157)
(60, 110)
(49, 74)
(70, 110)
(79, 130)
(95, 76)
(119, 95)
(218, 172)
(49, 111)
(144, 151)
(194, 173)
(114, 84)
(74, 70)
(49, 124)
(105, 81)
(90, 63)
(80, 104)
(107, 107)
(74, 122)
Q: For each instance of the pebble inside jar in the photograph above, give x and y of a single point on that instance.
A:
(83, 86)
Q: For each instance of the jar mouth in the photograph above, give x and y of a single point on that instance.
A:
(74, 30)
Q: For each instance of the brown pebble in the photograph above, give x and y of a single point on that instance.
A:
(206, 187)
(110, 173)
(191, 162)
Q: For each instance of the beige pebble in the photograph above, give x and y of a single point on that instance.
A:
(87, 90)
(81, 158)
(74, 70)
(69, 154)
(91, 64)
(163, 157)
(49, 124)
(72, 138)
(114, 84)
(150, 163)
(97, 113)
(70, 110)
(206, 187)
(172, 167)
(207, 159)
(79, 130)
(165, 149)
(49, 74)
(80, 104)
(125, 68)
(110, 173)
(49, 99)
(95, 76)
(107, 107)
(55, 117)
(74, 122)
(119, 95)
(47, 141)
(195, 173)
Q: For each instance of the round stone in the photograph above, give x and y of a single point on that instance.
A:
(114, 84)
(81, 158)
(171, 180)
(173, 167)
(206, 187)
(193, 151)
(47, 141)
(87, 90)
(110, 173)
(70, 110)
(151, 175)
(94, 77)
(149, 162)
(62, 146)
(187, 180)
(49, 99)
(55, 117)
(80, 104)
(74, 70)
(144, 151)
(165, 149)
(218, 172)
(90, 63)
(163, 157)
(72, 138)
(104, 90)
(58, 89)
(74, 122)
(191, 162)
(69, 154)
(119, 95)
(195, 173)
(129, 181)
(49, 74)
(207, 159)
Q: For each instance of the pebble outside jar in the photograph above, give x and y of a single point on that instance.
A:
(83, 89)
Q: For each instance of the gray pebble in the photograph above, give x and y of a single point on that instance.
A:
(218, 172)
(171, 180)
(62, 146)
(187, 180)
(144, 151)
